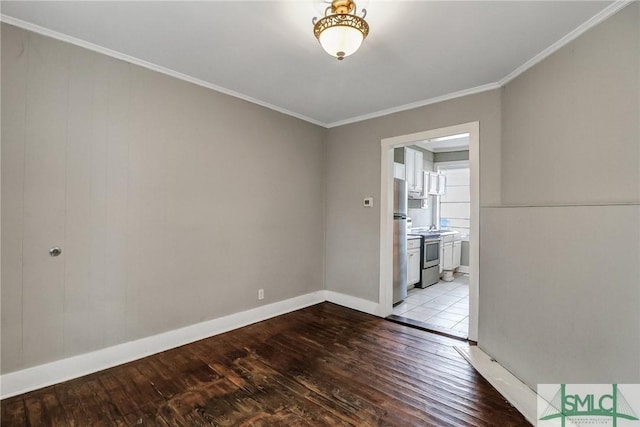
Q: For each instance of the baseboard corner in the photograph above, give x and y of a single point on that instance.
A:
(517, 393)
(354, 303)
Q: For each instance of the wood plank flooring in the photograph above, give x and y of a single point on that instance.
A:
(321, 366)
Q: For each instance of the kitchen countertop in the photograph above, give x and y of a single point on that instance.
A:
(433, 234)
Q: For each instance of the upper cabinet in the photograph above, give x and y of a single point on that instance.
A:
(413, 164)
(409, 165)
(436, 183)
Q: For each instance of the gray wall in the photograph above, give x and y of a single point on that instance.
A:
(398, 155)
(131, 171)
(172, 203)
(560, 292)
(570, 124)
(353, 172)
(560, 285)
(451, 156)
(427, 156)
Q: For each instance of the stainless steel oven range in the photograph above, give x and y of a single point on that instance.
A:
(430, 260)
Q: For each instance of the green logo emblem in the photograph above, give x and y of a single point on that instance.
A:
(586, 407)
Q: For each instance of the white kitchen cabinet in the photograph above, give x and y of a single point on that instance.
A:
(413, 167)
(418, 169)
(457, 251)
(451, 245)
(437, 184)
(432, 183)
(447, 256)
(398, 171)
(410, 168)
(413, 261)
(413, 265)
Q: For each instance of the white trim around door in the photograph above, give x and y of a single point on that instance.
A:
(386, 214)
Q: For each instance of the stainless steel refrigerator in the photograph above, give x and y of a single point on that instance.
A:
(399, 240)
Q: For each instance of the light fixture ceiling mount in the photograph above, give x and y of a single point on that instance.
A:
(341, 31)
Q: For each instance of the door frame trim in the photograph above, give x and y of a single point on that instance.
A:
(386, 214)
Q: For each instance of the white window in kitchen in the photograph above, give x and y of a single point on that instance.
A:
(454, 206)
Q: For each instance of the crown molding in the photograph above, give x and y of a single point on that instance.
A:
(604, 14)
(435, 100)
(142, 63)
(607, 12)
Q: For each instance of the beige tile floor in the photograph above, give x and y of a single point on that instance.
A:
(445, 304)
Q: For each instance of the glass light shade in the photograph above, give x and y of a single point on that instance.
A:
(340, 40)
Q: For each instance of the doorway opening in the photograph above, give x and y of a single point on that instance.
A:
(450, 153)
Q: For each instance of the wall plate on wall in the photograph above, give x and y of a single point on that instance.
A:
(368, 202)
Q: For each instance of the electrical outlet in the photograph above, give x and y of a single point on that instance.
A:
(260, 293)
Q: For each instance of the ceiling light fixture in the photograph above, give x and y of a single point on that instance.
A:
(341, 31)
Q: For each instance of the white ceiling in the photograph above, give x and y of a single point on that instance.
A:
(265, 51)
(449, 143)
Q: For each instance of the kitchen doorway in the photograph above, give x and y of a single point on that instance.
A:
(386, 214)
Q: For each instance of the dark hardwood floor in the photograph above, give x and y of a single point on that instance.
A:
(321, 366)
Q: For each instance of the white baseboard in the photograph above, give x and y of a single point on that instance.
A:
(352, 302)
(29, 379)
(464, 269)
(515, 391)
